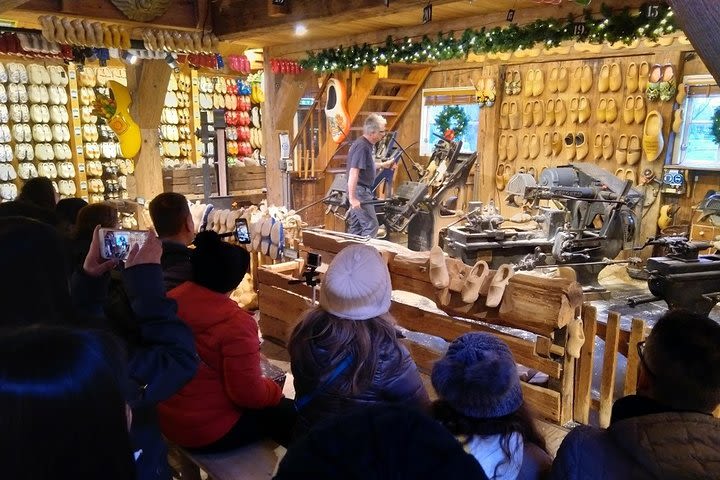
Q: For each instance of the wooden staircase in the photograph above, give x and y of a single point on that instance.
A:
(369, 93)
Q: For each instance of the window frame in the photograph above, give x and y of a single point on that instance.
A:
(459, 92)
(678, 159)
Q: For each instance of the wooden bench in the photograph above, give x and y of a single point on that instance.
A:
(256, 461)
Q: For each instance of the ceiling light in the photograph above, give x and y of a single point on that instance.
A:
(300, 30)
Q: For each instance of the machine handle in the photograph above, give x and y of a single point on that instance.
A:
(640, 299)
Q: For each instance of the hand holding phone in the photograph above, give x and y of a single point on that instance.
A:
(150, 251)
(242, 234)
(117, 244)
(94, 264)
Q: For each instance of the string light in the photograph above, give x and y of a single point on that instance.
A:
(624, 26)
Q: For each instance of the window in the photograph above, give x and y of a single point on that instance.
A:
(697, 148)
(434, 100)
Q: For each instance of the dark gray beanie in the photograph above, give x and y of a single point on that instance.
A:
(478, 377)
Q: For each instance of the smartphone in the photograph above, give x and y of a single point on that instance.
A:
(116, 244)
(242, 234)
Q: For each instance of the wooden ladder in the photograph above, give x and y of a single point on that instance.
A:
(388, 97)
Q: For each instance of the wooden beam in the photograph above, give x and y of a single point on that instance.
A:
(522, 17)
(279, 111)
(234, 19)
(181, 15)
(148, 81)
(6, 5)
(700, 20)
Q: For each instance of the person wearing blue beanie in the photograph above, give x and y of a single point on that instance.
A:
(481, 403)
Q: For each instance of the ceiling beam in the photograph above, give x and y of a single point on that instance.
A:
(6, 5)
(235, 18)
(522, 16)
(182, 14)
(700, 22)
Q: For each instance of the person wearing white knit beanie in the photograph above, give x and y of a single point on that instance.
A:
(346, 354)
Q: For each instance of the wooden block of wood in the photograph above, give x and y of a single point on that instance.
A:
(542, 304)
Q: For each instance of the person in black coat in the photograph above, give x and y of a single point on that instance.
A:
(34, 289)
(378, 443)
(170, 214)
(346, 354)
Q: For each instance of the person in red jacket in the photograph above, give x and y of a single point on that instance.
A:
(228, 403)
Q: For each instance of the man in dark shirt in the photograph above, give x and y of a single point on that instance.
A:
(361, 175)
(174, 225)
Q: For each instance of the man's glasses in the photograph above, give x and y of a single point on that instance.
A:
(641, 355)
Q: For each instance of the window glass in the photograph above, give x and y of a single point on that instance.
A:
(433, 104)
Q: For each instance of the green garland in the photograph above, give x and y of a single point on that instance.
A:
(452, 118)
(716, 126)
(611, 27)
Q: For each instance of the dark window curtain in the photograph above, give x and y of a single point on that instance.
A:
(700, 20)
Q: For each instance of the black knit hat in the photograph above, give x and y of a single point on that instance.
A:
(478, 377)
(218, 266)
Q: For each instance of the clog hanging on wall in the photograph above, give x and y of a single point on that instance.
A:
(336, 110)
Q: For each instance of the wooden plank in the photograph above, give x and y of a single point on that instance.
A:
(449, 328)
(282, 304)
(408, 92)
(266, 276)
(275, 328)
(637, 335)
(567, 385)
(607, 382)
(583, 379)
(6, 5)
(543, 401)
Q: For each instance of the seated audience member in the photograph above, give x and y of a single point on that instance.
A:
(346, 353)
(480, 402)
(67, 211)
(229, 403)
(170, 214)
(63, 405)
(37, 291)
(667, 430)
(378, 443)
(40, 192)
(37, 200)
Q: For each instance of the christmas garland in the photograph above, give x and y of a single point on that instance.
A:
(451, 122)
(625, 26)
(716, 126)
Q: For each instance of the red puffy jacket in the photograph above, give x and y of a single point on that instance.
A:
(228, 379)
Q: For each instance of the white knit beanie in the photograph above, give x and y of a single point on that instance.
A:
(357, 284)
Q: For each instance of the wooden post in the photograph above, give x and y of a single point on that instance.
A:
(583, 382)
(637, 334)
(607, 383)
(278, 113)
(148, 81)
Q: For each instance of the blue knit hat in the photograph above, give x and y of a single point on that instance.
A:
(478, 377)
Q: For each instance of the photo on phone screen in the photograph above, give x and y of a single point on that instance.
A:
(116, 244)
(242, 234)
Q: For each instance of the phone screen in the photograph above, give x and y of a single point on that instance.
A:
(242, 234)
(116, 244)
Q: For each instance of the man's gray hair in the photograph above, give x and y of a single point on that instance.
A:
(374, 123)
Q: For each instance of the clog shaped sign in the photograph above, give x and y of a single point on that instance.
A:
(336, 110)
(127, 131)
